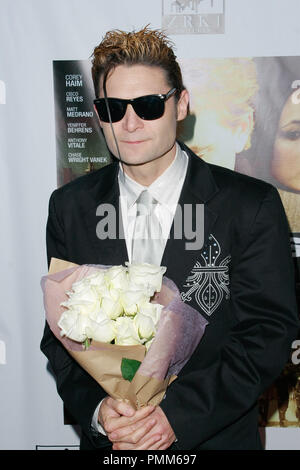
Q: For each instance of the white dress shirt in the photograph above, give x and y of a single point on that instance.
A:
(165, 190)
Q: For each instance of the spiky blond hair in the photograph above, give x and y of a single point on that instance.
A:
(146, 47)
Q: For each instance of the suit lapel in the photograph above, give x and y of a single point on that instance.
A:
(199, 188)
(112, 249)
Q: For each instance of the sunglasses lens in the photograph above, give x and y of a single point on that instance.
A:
(117, 109)
(149, 107)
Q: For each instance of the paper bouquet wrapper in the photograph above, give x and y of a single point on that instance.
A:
(179, 331)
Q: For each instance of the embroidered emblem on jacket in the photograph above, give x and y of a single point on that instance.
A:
(209, 279)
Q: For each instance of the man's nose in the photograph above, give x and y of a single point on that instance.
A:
(131, 121)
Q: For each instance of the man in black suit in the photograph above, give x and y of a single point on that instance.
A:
(240, 278)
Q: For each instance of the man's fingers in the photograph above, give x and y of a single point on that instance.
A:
(152, 443)
(133, 433)
(122, 421)
(112, 409)
(125, 409)
(120, 406)
(112, 423)
(158, 435)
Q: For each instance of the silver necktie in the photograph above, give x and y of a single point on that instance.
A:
(147, 243)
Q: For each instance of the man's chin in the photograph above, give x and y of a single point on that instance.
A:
(129, 163)
(130, 160)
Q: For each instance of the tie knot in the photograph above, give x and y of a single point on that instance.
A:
(144, 203)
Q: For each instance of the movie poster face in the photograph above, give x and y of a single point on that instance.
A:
(244, 115)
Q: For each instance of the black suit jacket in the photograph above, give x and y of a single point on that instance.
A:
(242, 281)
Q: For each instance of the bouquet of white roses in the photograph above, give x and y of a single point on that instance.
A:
(126, 326)
(113, 305)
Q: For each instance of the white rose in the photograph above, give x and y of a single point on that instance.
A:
(147, 275)
(131, 300)
(116, 277)
(111, 305)
(86, 299)
(74, 325)
(144, 325)
(79, 286)
(103, 331)
(102, 291)
(97, 315)
(152, 310)
(126, 332)
(97, 280)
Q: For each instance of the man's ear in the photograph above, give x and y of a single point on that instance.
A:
(182, 105)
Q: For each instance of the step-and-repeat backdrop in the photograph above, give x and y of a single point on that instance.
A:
(240, 64)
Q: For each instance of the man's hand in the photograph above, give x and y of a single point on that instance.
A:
(116, 414)
(152, 432)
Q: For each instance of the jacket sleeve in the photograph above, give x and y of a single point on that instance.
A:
(79, 391)
(213, 392)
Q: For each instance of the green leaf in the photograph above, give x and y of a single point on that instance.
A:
(129, 368)
(86, 344)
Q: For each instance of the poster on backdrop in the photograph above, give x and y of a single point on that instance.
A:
(244, 115)
(80, 147)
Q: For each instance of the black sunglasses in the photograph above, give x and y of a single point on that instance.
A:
(147, 107)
